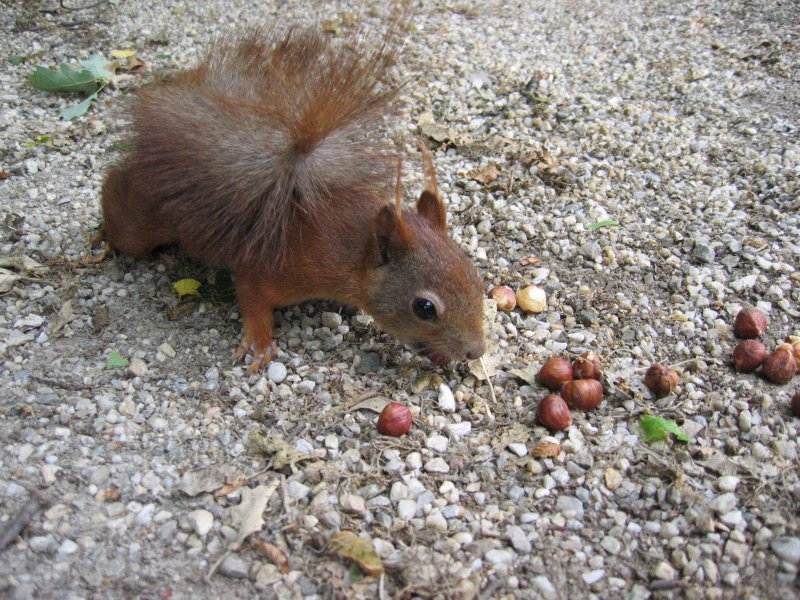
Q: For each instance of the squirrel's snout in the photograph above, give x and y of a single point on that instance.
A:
(475, 349)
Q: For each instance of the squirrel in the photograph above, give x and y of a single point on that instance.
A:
(266, 158)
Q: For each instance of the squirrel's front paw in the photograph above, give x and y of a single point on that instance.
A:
(262, 354)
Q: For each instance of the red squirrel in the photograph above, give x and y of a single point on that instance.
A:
(267, 158)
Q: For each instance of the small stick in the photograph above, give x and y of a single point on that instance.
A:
(491, 389)
(18, 522)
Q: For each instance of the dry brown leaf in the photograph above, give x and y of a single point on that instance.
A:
(348, 545)
(111, 494)
(64, 316)
(247, 515)
(546, 450)
(374, 403)
(276, 556)
(531, 261)
(226, 489)
(485, 174)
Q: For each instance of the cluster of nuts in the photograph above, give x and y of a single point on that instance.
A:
(531, 299)
(778, 367)
(578, 386)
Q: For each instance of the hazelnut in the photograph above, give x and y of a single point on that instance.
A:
(553, 413)
(587, 366)
(532, 299)
(394, 420)
(780, 366)
(555, 371)
(796, 404)
(660, 380)
(794, 340)
(504, 296)
(584, 394)
(748, 355)
(750, 323)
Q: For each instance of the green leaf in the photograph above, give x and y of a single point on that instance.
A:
(115, 360)
(66, 80)
(17, 59)
(602, 224)
(99, 66)
(79, 109)
(186, 287)
(656, 429)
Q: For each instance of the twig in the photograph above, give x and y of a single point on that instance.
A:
(491, 389)
(18, 522)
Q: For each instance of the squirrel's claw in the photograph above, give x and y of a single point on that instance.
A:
(261, 356)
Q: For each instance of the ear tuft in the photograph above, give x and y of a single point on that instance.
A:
(431, 208)
(391, 234)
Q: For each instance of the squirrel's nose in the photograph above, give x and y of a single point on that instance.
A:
(475, 350)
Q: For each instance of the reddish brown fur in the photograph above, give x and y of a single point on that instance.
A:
(267, 158)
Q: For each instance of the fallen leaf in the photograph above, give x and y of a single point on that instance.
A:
(101, 318)
(272, 445)
(226, 489)
(186, 287)
(348, 545)
(531, 260)
(115, 360)
(273, 553)
(485, 174)
(546, 450)
(111, 494)
(527, 374)
(23, 264)
(657, 428)
(4, 175)
(208, 479)
(123, 53)
(602, 224)
(476, 368)
(64, 316)
(247, 515)
(375, 404)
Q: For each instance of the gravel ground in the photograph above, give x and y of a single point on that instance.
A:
(677, 119)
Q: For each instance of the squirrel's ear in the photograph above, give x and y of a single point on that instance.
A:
(391, 235)
(431, 208)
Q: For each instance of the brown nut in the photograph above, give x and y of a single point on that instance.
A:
(750, 323)
(555, 371)
(553, 413)
(660, 380)
(748, 355)
(584, 394)
(796, 404)
(780, 366)
(395, 419)
(504, 296)
(587, 366)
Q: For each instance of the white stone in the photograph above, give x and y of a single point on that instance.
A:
(499, 556)
(446, 401)
(437, 465)
(518, 448)
(437, 442)
(435, 520)
(201, 521)
(544, 587)
(724, 503)
(276, 372)
(727, 483)
(406, 509)
(591, 577)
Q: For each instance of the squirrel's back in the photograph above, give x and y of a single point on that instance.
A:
(265, 132)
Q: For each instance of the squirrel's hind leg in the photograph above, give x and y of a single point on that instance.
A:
(131, 222)
(256, 307)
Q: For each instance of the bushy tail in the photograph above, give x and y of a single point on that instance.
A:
(269, 128)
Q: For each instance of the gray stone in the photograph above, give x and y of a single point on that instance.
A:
(724, 503)
(518, 539)
(787, 548)
(276, 372)
(542, 584)
(235, 567)
(570, 505)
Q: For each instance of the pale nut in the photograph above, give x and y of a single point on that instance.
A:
(750, 323)
(553, 413)
(546, 450)
(587, 366)
(583, 394)
(554, 372)
(780, 366)
(660, 380)
(504, 297)
(748, 355)
(395, 419)
(794, 340)
(532, 299)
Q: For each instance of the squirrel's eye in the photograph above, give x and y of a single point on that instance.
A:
(424, 309)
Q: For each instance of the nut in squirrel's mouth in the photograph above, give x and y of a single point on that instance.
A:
(437, 358)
